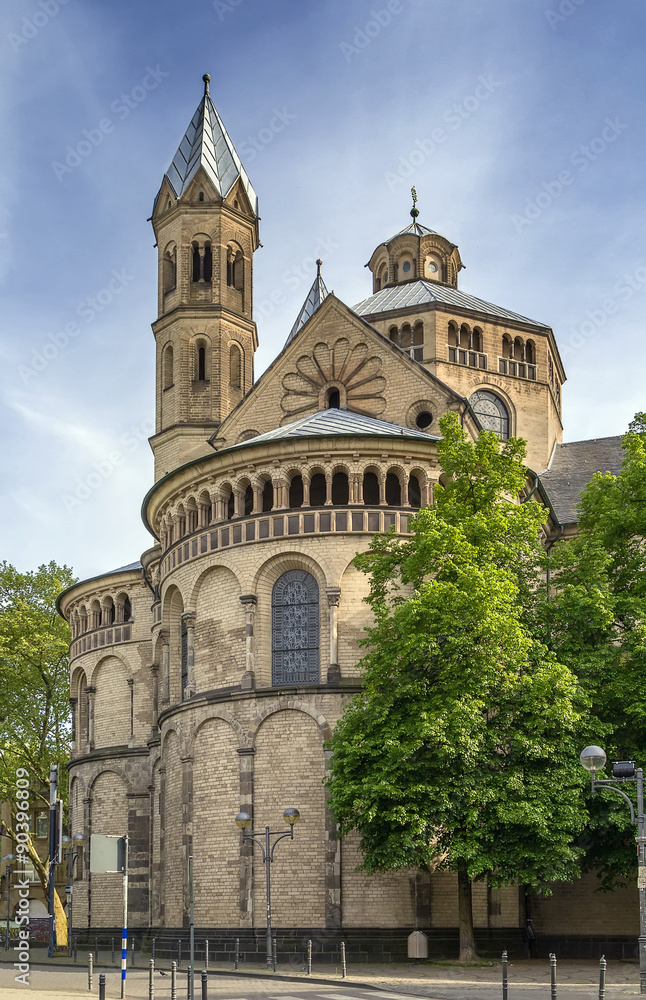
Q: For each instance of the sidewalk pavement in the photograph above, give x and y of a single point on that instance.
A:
(528, 980)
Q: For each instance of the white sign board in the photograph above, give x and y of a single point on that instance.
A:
(107, 854)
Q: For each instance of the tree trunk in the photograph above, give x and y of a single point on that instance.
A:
(468, 951)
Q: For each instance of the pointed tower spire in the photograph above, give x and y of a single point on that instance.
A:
(315, 296)
(206, 144)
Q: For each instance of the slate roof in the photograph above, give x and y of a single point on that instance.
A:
(415, 229)
(206, 144)
(336, 423)
(571, 469)
(421, 292)
(317, 293)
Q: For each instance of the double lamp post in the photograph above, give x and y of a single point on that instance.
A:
(593, 759)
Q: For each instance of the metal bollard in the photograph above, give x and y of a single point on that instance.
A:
(553, 976)
(151, 980)
(206, 954)
(90, 972)
(273, 951)
(102, 986)
(173, 981)
(344, 971)
(153, 947)
(602, 977)
(132, 952)
(112, 943)
(205, 985)
(505, 982)
(96, 951)
(76, 944)
(236, 960)
(188, 984)
(309, 958)
(179, 954)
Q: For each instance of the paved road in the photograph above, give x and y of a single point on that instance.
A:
(527, 981)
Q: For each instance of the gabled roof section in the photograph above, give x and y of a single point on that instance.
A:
(572, 467)
(422, 292)
(336, 423)
(315, 296)
(206, 144)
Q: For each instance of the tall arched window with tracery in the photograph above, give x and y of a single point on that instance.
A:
(295, 629)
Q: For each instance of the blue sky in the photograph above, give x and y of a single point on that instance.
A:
(521, 123)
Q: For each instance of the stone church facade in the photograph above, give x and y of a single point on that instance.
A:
(207, 677)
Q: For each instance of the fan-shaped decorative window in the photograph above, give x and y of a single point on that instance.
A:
(491, 412)
(295, 629)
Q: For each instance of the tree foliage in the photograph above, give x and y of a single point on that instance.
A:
(460, 753)
(34, 694)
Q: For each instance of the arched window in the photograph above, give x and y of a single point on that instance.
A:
(108, 612)
(127, 610)
(167, 366)
(414, 491)
(201, 364)
(169, 268)
(295, 629)
(267, 496)
(477, 339)
(370, 489)
(393, 333)
(235, 367)
(200, 196)
(208, 262)
(393, 490)
(519, 352)
(406, 335)
(318, 490)
(296, 492)
(235, 268)
(248, 500)
(196, 262)
(465, 337)
(340, 489)
(491, 412)
(333, 399)
(530, 352)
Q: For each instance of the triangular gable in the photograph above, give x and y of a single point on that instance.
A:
(338, 351)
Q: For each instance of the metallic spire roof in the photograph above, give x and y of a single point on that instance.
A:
(206, 144)
(336, 423)
(315, 296)
(415, 229)
(421, 292)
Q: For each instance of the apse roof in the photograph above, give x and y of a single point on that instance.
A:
(315, 296)
(206, 144)
(571, 469)
(337, 423)
(421, 292)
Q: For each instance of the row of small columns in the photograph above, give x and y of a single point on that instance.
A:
(249, 603)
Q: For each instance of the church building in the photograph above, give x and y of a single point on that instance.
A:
(207, 677)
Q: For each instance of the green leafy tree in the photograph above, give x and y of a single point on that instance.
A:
(34, 698)
(460, 752)
(593, 617)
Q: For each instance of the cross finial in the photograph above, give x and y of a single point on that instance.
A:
(414, 210)
(207, 80)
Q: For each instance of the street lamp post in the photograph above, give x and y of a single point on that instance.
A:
(76, 840)
(593, 759)
(243, 820)
(9, 858)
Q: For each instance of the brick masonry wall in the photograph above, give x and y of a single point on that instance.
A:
(374, 900)
(580, 908)
(219, 630)
(109, 816)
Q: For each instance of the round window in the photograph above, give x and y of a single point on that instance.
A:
(424, 420)
(431, 267)
(406, 266)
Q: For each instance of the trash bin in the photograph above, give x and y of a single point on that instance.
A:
(417, 945)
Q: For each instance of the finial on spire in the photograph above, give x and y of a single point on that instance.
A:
(414, 210)
(207, 80)
(319, 265)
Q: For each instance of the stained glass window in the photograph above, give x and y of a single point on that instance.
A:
(295, 629)
(491, 412)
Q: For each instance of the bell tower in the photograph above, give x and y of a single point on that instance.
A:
(205, 219)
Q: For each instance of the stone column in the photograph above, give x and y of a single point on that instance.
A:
(328, 489)
(333, 910)
(404, 490)
(306, 490)
(165, 665)
(90, 692)
(138, 850)
(189, 620)
(246, 755)
(75, 734)
(249, 603)
(333, 670)
(187, 830)
(257, 498)
(382, 489)
(154, 669)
